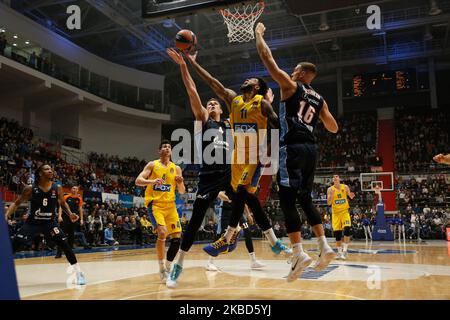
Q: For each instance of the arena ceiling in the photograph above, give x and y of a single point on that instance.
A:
(116, 31)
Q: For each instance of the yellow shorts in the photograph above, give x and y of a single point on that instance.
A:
(246, 175)
(164, 214)
(340, 220)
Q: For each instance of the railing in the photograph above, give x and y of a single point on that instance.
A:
(388, 17)
(74, 74)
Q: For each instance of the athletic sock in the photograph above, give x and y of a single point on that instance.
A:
(211, 260)
(297, 248)
(168, 265)
(252, 256)
(345, 247)
(270, 235)
(161, 265)
(323, 244)
(76, 267)
(181, 255)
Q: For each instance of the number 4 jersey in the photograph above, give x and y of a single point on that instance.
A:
(299, 114)
(164, 192)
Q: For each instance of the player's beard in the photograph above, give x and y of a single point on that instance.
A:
(246, 88)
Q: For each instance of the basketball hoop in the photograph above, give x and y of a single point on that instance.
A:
(241, 22)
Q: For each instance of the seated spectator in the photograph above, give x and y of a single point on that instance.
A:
(109, 236)
(145, 223)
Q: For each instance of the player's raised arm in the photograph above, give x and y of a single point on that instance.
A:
(350, 194)
(142, 179)
(180, 181)
(328, 120)
(219, 89)
(267, 111)
(280, 76)
(199, 111)
(24, 196)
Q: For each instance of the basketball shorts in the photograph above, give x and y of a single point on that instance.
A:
(164, 214)
(50, 230)
(246, 175)
(297, 166)
(340, 220)
(210, 184)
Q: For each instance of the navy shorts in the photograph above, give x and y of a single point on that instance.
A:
(50, 230)
(211, 184)
(297, 166)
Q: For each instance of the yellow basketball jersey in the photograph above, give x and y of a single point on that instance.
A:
(339, 202)
(166, 191)
(247, 120)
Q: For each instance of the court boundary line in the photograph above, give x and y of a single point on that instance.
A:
(242, 288)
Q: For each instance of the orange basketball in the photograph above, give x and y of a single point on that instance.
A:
(185, 40)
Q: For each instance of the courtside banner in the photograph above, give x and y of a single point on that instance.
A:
(8, 279)
(110, 197)
(126, 200)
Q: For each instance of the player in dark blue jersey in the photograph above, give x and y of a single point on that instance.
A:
(300, 109)
(44, 197)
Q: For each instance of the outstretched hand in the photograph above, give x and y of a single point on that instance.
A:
(260, 29)
(270, 96)
(192, 57)
(175, 56)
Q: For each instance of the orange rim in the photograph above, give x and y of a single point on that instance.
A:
(243, 16)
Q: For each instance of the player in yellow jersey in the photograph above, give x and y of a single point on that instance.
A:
(340, 217)
(249, 113)
(161, 177)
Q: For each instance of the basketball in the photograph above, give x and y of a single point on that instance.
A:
(185, 40)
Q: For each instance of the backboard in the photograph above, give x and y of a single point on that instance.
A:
(158, 10)
(383, 179)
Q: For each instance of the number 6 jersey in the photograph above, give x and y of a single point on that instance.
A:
(43, 205)
(299, 114)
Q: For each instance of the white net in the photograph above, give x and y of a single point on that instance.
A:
(240, 21)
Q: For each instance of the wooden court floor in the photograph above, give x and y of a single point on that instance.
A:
(389, 270)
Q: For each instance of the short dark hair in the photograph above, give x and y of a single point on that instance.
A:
(163, 142)
(309, 67)
(263, 88)
(213, 99)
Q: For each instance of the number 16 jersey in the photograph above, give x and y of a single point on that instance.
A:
(299, 114)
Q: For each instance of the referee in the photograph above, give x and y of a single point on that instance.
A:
(75, 203)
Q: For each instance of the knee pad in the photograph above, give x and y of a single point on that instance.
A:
(293, 222)
(338, 235)
(347, 231)
(175, 242)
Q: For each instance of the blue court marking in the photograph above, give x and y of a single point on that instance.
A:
(311, 274)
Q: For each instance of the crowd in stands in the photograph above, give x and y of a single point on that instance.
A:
(420, 136)
(352, 146)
